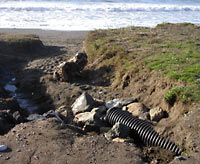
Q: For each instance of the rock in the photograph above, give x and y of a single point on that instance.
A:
(83, 104)
(125, 108)
(118, 130)
(18, 117)
(70, 70)
(99, 111)
(156, 114)
(82, 118)
(144, 116)
(34, 117)
(114, 103)
(93, 117)
(122, 140)
(136, 109)
(118, 103)
(3, 148)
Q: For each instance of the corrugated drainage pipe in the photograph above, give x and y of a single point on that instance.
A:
(142, 128)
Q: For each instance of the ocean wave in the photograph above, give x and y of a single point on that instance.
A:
(101, 7)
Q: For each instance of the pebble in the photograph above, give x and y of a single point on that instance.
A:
(3, 148)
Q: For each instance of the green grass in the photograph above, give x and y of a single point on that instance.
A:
(172, 49)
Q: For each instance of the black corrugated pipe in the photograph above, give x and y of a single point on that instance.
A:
(142, 128)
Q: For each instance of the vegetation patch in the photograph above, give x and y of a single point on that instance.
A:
(172, 49)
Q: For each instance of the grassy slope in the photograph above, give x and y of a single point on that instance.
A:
(173, 49)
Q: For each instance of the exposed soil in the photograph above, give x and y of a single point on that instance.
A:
(49, 141)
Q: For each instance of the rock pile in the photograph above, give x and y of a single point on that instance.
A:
(71, 69)
(89, 114)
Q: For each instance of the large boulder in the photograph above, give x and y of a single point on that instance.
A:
(70, 70)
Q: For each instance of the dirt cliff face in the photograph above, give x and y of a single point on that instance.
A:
(50, 141)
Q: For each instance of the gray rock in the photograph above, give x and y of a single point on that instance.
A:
(118, 130)
(83, 104)
(118, 103)
(156, 114)
(34, 117)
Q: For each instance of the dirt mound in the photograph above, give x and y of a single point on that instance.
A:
(20, 43)
(50, 142)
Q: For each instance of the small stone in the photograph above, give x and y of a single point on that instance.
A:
(118, 130)
(156, 114)
(122, 140)
(125, 108)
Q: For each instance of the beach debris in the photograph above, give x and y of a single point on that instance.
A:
(84, 103)
(118, 130)
(156, 114)
(3, 148)
(52, 113)
(64, 114)
(71, 69)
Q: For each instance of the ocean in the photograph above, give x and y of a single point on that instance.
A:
(73, 15)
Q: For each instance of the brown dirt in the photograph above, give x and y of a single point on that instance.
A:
(50, 142)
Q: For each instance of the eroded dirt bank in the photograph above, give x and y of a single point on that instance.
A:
(49, 141)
